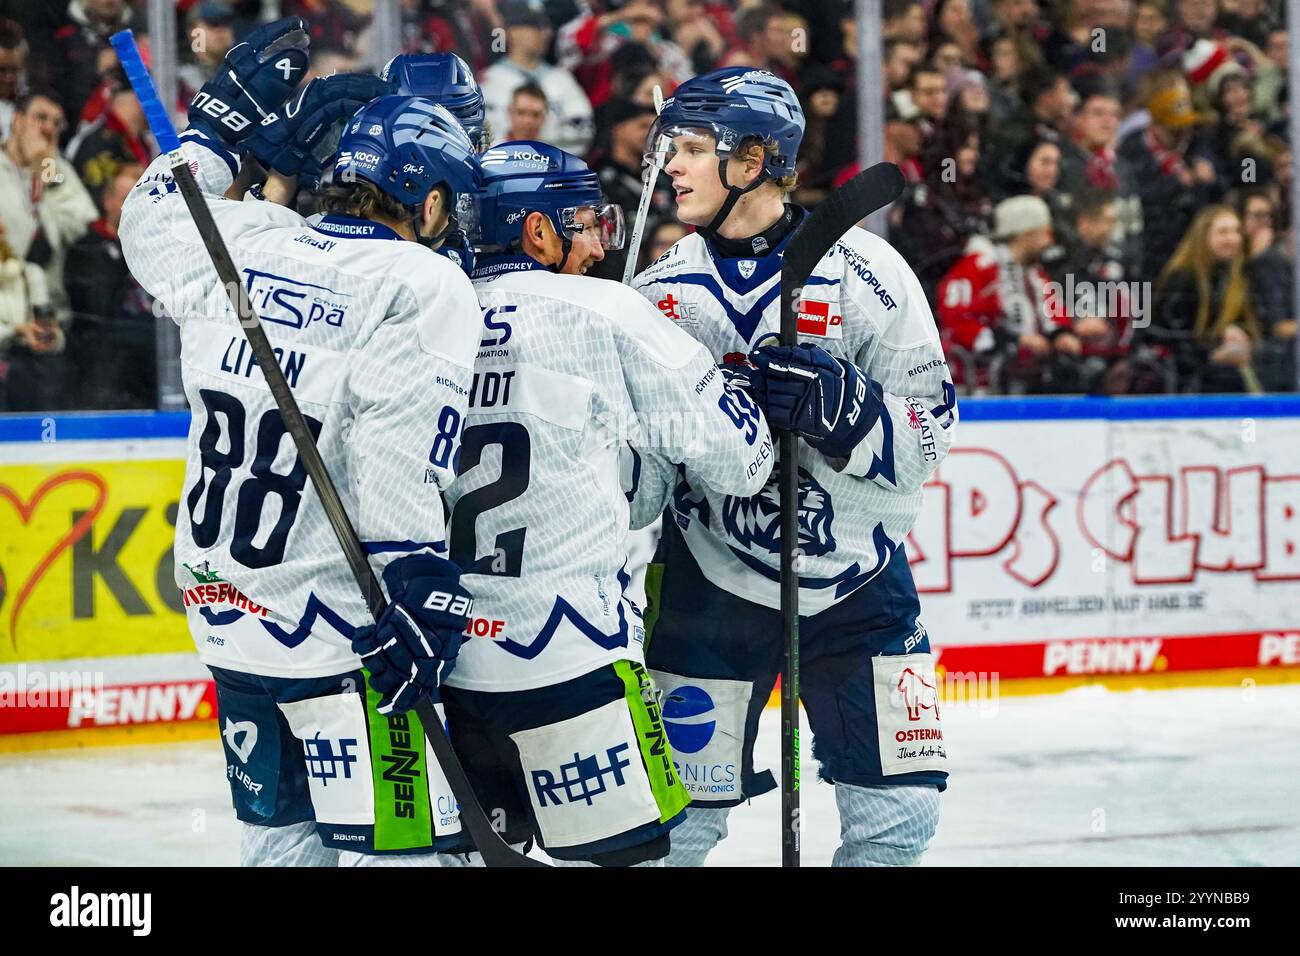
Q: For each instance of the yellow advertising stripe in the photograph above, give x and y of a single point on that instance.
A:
(85, 737)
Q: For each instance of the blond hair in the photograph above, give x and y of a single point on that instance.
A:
(1193, 255)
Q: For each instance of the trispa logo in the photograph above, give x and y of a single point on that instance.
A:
(296, 304)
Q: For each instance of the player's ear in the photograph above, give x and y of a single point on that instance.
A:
(433, 206)
(537, 233)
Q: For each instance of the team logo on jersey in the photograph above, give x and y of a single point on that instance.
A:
(756, 522)
(287, 301)
(816, 318)
(746, 267)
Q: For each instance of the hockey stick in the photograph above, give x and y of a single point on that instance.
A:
(495, 851)
(862, 195)
(643, 207)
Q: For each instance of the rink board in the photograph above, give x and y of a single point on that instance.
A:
(1062, 538)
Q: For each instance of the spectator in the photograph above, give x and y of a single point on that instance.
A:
(1171, 172)
(903, 20)
(767, 42)
(995, 298)
(117, 138)
(898, 59)
(946, 57)
(30, 341)
(1204, 311)
(586, 45)
(937, 219)
(1005, 70)
(1272, 279)
(334, 25)
(1095, 136)
(76, 66)
(927, 91)
(826, 149)
(903, 141)
(951, 20)
(968, 96)
(620, 176)
(526, 116)
(113, 332)
(528, 33)
(1251, 20)
(13, 71)
(43, 205)
(1046, 111)
(664, 237)
(1193, 20)
(1149, 24)
(1036, 170)
(211, 34)
(1105, 328)
(701, 32)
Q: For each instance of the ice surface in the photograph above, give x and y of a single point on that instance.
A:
(1203, 776)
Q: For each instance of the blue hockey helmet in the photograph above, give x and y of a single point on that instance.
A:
(447, 80)
(527, 176)
(406, 146)
(730, 107)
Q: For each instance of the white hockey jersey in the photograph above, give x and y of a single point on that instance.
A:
(570, 370)
(376, 339)
(863, 304)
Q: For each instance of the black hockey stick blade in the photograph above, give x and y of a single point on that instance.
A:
(844, 208)
(817, 235)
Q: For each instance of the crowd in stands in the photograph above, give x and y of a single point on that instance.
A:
(1097, 200)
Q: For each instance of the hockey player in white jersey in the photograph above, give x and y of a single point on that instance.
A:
(376, 335)
(550, 707)
(868, 392)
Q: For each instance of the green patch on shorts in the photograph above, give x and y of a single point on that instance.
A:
(657, 755)
(654, 579)
(397, 762)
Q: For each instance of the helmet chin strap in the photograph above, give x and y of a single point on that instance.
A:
(733, 196)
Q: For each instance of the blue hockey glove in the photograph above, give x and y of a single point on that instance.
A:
(255, 79)
(828, 401)
(414, 645)
(739, 372)
(300, 137)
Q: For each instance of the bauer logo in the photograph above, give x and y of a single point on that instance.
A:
(286, 301)
(689, 719)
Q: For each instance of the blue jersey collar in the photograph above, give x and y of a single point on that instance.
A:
(489, 267)
(350, 227)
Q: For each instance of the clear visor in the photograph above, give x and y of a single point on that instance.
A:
(665, 142)
(606, 220)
